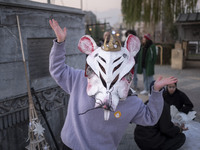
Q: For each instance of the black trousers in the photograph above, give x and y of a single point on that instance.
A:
(169, 144)
(66, 147)
(174, 143)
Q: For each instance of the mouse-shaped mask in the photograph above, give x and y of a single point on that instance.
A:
(109, 70)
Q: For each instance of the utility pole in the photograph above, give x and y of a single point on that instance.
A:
(81, 4)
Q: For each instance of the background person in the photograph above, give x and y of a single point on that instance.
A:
(106, 36)
(146, 62)
(173, 96)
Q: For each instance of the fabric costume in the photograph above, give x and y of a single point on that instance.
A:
(163, 135)
(90, 131)
(178, 99)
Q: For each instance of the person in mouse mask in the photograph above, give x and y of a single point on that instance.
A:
(101, 104)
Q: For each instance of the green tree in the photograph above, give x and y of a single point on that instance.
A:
(153, 11)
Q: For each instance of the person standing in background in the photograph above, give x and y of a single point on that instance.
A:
(135, 79)
(106, 36)
(146, 62)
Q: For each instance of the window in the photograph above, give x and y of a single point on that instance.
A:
(38, 57)
(193, 50)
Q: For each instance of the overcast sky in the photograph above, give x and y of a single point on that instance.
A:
(105, 10)
(109, 10)
(93, 5)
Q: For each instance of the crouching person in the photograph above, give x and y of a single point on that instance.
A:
(163, 136)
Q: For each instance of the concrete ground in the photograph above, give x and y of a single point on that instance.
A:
(188, 82)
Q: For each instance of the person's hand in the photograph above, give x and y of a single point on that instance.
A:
(183, 127)
(60, 33)
(160, 82)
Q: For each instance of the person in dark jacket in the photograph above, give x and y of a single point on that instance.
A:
(162, 136)
(146, 62)
(173, 96)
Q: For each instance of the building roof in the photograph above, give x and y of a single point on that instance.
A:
(189, 17)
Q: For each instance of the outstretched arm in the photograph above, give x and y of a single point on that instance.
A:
(60, 72)
(60, 33)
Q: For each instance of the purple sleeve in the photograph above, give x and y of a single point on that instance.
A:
(64, 75)
(149, 114)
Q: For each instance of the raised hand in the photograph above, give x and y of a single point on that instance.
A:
(60, 33)
(160, 82)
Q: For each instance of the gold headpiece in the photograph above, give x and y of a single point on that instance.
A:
(112, 45)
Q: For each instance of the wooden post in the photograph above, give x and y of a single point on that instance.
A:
(161, 53)
(36, 137)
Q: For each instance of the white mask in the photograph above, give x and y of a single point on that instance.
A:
(109, 73)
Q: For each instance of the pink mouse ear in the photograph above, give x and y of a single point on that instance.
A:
(86, 44)
(132, 44)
